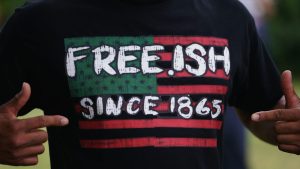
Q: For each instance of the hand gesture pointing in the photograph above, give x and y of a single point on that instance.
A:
(22, 140)
(287, 120)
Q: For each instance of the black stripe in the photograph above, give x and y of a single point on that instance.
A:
(191, 81)
(168, 64)
(141, 116)
(169, 48)
(156, 132)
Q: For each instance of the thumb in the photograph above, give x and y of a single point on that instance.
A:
(292, 100)
(15, 104)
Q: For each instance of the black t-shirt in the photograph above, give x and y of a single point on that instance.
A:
(144, 84)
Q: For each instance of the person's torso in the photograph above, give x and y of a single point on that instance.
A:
(145, 85)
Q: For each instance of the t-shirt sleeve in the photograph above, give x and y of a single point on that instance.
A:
(15, 53)
(256, 83)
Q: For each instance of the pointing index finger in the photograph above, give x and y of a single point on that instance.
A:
(43, 121)
(277, 115)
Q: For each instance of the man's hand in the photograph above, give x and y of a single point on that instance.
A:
(287, 120)
(21, 141)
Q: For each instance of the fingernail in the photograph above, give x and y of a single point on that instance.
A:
(255, 117)
(64, 121)
(23, 85)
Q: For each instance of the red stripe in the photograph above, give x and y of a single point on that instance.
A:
(186, 40)
(192, 89)
(185, 142)
(150, 123)
(165, 56)
(165, 107)
(148, 142)
(162, 107)
(218, 74)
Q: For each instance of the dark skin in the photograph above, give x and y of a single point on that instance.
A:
(280, 126)
(21, 140)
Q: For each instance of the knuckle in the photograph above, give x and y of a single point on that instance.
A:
(278, 138)
(277, 128)
(13, 154)
(14, 142)
(279, 114)
(42, 121)
(56, 120)
(12, 126)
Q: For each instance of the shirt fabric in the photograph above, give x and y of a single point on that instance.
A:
(143, 83)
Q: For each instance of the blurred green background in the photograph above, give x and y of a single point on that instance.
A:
(284, 28)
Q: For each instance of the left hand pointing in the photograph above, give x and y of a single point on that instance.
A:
(287, 120)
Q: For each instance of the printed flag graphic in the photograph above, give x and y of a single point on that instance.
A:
(161, 91)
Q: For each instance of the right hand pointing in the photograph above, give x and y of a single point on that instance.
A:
(21, 141)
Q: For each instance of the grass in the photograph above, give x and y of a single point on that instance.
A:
(260, 155)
